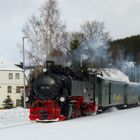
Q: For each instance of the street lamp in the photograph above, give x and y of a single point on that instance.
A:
(24, 90)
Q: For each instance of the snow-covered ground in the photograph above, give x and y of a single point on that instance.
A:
(13, 117)
(111, 125)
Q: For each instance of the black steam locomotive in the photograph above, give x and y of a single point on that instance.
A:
(61, 94)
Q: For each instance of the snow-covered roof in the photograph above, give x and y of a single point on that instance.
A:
(113, 74)
(7, 65)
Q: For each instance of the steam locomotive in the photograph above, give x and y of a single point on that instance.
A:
(60, 94)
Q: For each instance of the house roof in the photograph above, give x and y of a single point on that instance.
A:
(7, 65)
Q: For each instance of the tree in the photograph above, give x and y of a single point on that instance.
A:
(76, 39)
(8, 103)
(128, 46)
(93, 43)
(125, 54)
(46, 33)
(95, 30)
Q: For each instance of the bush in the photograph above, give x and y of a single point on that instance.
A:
(8, 103)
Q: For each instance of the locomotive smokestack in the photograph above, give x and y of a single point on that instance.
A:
(49, 66)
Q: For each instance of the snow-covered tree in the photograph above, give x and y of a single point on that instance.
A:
(94, 30)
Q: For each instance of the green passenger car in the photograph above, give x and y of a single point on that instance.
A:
(116, 93)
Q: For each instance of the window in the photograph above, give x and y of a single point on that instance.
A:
(17, 76)
(10, 75)
(9, 89)
(18, 89)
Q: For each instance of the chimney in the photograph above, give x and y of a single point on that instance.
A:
(49, 66)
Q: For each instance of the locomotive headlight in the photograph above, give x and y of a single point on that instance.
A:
(62, 99)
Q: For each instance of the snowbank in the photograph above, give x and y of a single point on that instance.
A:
(13, 113)
(13, 117)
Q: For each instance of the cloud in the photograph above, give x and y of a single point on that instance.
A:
(13, 15)
(121, 18)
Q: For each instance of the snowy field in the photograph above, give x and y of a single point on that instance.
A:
(111, 125)
(13, 117)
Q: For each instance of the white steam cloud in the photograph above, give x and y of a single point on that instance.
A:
(93, 50)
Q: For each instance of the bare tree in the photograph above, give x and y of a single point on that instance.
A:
(46, 33)
(95, 30)
(96, 43)
(90, 46)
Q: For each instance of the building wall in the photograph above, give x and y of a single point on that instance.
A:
(13, 83)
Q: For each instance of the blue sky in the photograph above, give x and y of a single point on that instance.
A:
(121, 18)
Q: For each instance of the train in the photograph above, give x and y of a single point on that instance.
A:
(60, 94)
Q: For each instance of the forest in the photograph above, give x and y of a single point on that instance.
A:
(128, 47)
(125, 55)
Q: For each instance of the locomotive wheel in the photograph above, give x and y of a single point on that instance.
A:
(70, 111)
(67, 110)
(84, 112)
(138, 103)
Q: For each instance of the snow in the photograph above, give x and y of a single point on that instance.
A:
(130, 64)
(112, 125)
(113, 74)
(134, 84)
(12, 117)
(7, 65)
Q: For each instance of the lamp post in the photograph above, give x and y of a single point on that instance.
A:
(24, 90)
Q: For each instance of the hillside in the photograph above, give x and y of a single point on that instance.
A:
(127, 48)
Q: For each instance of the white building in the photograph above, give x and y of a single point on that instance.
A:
(11, 81)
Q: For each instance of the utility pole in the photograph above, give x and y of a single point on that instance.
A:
(24, 84)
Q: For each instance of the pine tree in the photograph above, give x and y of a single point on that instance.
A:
(8, 103)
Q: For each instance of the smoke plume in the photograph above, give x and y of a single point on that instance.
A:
(93, 51)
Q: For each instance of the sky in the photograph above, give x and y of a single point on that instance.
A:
(121, 18)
